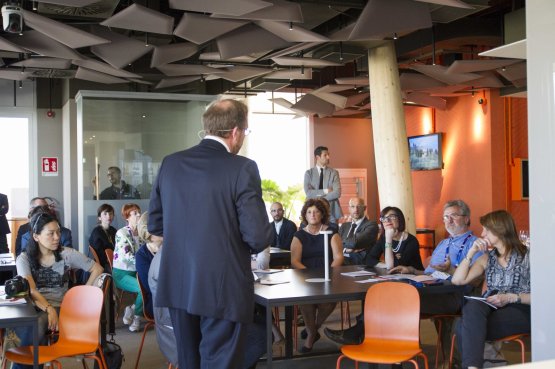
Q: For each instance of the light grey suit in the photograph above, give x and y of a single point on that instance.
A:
(331, 180)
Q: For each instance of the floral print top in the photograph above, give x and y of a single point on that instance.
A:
(127, 245)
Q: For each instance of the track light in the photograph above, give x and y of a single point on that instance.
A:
(146, 40)
(341, 51)
(302, 69)
(290, 26)
(395, 36)
(20, 84)
(202, 79)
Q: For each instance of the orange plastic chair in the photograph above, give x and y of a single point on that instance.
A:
(79, 330)
(149, 321)
(95, 255)
(391, 327)
(441, 319)
(519, 338)
(110, 257)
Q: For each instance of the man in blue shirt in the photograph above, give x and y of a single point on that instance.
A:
(445, 258)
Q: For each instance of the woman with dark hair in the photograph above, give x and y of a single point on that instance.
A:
(124, 269)
(399, 246)
(46, 265)
(103, 236)
(506, 265)
(65, 234)
(307, 251)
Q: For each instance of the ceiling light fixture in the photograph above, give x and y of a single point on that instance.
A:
(340, 51)
(202, 79)
(146, 40)
(395, 36)
(20, 84)
(504, 69)
(302, 69)
(35, 7)
(290, 26)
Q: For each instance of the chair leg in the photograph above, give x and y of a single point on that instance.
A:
(522, 350)
(439, 345)
(338, 364)
(452, 350)
(345, 314)
(147, 325)
(295, 330)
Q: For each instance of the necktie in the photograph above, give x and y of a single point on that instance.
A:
(352, 230)
(321, 185)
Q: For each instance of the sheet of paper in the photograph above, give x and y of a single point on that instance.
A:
(440, 275)
(482, 299)
(369, 280)
(5, 302)
(271, 282)
(422, 278)
(397, 276)
(358, 273)
(267, 271)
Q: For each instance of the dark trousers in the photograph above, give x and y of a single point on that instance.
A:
(481, 323)
(4, 244)
(205, 343)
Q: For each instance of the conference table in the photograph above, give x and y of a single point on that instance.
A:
(7, 264)
(13, 316)
(297, 291)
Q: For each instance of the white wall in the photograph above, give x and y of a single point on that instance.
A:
(540, 24)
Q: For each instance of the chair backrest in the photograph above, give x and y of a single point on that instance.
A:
(143, 295)
(94, 254)
(392, 312)
(80, 316)
(110, 256)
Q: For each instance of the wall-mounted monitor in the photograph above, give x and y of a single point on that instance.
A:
(425, 152)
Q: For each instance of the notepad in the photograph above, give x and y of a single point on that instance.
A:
(482, 299)
(271, 282)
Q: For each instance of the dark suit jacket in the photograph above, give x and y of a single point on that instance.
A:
(4, 207)
(365, 235)
(285, 236)
(207, 203)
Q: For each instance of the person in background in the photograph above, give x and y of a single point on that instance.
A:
(307, 251)
(323, 181)
(284, 229)
(359, 234)
(124, 270)
(4, 226)
(46, 265)
(119, 189)
(143, 258)
(24, 228)
(507, 278)
(103, 236)
(65, 236)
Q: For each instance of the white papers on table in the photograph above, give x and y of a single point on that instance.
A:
(267, 271)
(7, 258)
(440, 275)
(6, 301)
(482, 299)
(422, 278)
(380, 265)
(369, 280)
(358, 273)
(397, 276)
(271, 282)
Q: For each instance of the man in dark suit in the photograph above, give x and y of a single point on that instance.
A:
(4, 226)
(284, 229)
(359, 235)
(207, 204)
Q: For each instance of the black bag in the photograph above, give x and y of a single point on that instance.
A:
(113, 355)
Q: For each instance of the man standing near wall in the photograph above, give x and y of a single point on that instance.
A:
(323, 181)
(207, 204)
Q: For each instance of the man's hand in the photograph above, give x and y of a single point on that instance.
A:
(443, 267)
(399, 269)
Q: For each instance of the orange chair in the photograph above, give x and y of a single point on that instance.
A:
(391, 327)
(149, 322)
(79, 330)
(110, 257)
(519, 338)
(95, 255)
(440, 319)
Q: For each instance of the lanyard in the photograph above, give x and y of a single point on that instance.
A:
(461, 248)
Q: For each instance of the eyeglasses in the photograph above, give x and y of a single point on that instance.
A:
(453, 216)
(357, 206)
(389, 218)
(276, 211)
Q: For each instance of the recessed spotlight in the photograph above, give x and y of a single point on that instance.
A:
(144, 115)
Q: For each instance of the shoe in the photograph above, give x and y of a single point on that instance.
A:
(136, 325)
(128, 314)
(304, 334)
(306, 350)
(340, 337)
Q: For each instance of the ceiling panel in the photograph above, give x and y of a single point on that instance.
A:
(121, 51)
(94, 76)
(169, 53)
(43, 45)
(312, 104)
(235, 7)
(139, 18)
(200, 28)
(104, 68)
(280, 10)
(291, 34)
(307, 62)
(173, 70)
(248, 39)
(43, 62)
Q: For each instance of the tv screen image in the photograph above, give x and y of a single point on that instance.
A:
(425, 152)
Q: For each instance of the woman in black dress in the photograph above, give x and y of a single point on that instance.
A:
(103, 235)
(307, 251)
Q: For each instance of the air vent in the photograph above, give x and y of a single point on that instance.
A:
(339, 54)
(102, 9)
(269, 84)
(52, 73)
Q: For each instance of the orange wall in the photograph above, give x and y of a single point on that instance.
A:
(479, 142)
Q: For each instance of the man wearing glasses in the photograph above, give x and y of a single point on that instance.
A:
(445, 258)
(284, 229)
(359, 235)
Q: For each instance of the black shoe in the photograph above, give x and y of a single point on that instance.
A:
(306, 350)
(304, 334)
(340, 337)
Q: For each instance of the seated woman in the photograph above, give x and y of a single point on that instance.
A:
(399, 246)
(103, 236)
(46, 265)
(507, 278)
(143, 258)
(124, 270)
(307, 251)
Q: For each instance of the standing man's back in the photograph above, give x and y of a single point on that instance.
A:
(207, 204)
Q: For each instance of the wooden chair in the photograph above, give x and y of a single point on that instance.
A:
(118, 292)
(149, 321)
(79, 331)
(391, 327)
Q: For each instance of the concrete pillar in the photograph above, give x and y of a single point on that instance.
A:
(390, 134)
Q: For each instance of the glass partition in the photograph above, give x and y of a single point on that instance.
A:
(122, 141)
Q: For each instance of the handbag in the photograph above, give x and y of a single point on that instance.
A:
(112, 354)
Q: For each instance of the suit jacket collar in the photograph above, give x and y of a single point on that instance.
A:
(213, 143)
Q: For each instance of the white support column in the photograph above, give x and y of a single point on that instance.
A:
(390, 134)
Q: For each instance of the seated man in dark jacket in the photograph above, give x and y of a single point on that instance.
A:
(284, 229)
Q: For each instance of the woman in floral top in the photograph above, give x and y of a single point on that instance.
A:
(124, 271)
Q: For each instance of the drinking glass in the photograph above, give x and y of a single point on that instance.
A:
(524, 237)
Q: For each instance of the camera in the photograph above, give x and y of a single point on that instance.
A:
(12, 19)
(16, 287)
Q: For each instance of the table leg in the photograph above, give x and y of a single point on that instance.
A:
(36, 344)
(269, 323)
(289, 321)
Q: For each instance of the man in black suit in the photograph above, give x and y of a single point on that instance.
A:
(359, 235)
(207, 204)
(284, 229)
(4, 226)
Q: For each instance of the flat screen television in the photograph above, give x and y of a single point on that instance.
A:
(425, 152)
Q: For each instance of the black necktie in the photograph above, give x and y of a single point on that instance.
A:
(352, 230)
(321, 185)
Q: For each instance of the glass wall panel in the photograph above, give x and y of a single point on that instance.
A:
(123, 143)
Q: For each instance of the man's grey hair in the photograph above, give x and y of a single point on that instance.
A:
(465, 210)
(222, 116)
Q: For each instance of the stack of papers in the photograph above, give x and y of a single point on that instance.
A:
(358, 273)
